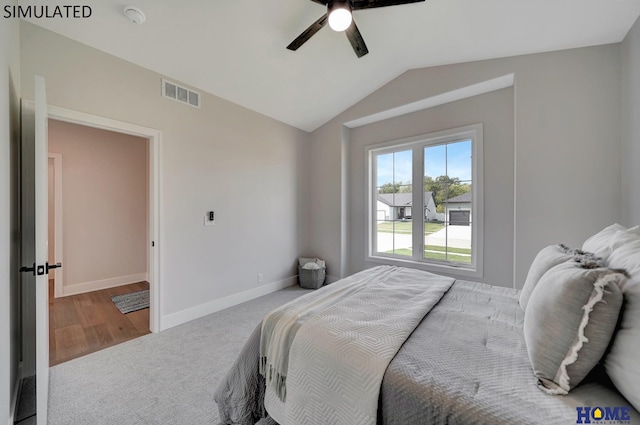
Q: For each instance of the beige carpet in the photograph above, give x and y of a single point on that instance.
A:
(165, 378)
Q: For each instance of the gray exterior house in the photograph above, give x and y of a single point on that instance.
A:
(399, 206)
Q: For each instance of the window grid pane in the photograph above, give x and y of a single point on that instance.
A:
(394, 203)
(447, 173)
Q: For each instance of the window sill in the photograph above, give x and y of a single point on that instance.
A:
(462, 271)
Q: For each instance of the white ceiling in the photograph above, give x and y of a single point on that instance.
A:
(236, 49)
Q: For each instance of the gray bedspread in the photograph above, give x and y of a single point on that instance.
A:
(466, 363)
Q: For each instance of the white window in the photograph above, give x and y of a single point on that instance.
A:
(425, 201)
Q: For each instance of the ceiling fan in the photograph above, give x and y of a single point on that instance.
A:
(339, 17)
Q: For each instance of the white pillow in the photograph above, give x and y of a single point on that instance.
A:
(623, 362)
(623, 237)
(600, 243)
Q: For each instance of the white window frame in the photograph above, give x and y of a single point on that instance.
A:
(417, 144)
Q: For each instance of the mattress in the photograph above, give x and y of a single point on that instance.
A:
(465, 363)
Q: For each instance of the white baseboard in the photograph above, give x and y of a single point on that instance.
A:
(184, 316)
(96, 285)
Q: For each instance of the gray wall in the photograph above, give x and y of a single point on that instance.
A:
(9, 210)
(630, 59)
(248, 168)
(567, 152)
(495, 111)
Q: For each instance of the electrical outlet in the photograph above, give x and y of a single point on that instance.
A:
(260, 278)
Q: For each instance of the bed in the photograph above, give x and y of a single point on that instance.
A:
(465, 362)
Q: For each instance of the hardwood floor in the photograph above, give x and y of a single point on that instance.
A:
(85, 323)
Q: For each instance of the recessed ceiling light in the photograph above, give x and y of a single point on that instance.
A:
(134, 14)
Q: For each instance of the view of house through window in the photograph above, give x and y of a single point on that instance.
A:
(394, 205)
(447, 181)
(429, 220)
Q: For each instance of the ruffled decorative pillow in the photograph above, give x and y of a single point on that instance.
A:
(569, 321)
(550, 257)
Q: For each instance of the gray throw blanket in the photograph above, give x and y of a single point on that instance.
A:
(329, 350)
(280, 326)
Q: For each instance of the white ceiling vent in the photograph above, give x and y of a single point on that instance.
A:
(179, 93)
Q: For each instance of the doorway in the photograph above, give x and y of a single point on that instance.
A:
(98, 213)
(154, 241)
(35, 293)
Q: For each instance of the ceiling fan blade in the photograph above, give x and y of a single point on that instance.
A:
(369, 4)
(322, 2)
(308, 33)
(356, 40)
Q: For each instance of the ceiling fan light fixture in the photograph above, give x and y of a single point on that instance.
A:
(339, 15)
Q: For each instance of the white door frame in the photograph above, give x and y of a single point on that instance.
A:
(154, 246)
(57, 216)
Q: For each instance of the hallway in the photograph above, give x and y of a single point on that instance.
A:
(85, 323)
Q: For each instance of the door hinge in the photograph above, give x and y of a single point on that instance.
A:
(153, 243)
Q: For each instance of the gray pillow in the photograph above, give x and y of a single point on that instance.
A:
(622, 363)
(569, 321)
(546, 259)
(550, 257)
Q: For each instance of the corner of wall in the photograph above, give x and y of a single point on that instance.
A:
(344, 200)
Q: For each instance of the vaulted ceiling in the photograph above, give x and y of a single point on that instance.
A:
(236, 49)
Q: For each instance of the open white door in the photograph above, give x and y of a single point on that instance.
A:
(35, 284)
(42, 251)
